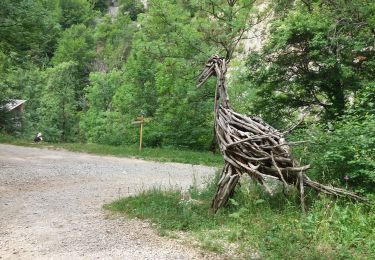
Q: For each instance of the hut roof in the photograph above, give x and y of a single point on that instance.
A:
(14, 103)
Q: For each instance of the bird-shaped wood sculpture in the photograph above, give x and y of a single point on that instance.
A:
(251, 146)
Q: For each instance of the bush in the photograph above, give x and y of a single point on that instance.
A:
(343, 152)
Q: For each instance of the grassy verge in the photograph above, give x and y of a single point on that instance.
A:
(257, 225)
(155, 154)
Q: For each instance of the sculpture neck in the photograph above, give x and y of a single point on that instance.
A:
(221, 96)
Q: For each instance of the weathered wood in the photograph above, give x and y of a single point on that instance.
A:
(249, 145)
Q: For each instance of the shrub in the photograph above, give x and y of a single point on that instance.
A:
(343, 152)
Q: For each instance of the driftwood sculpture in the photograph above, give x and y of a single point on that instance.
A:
(251, 146)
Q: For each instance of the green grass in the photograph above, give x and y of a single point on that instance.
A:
(256, 222)
(155, 154)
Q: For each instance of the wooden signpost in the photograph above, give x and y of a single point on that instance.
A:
(140, 121)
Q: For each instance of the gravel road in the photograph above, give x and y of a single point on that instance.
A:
(51, 205)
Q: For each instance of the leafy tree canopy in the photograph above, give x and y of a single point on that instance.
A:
(319, 54)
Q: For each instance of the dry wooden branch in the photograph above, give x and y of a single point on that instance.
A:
(251, 146)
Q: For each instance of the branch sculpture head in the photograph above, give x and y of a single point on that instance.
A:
(210, 69)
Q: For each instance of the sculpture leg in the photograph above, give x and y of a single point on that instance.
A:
(227, 183)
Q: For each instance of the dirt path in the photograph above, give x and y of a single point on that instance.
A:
(51, 205)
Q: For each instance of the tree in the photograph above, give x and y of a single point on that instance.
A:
(174, 40)
(225, 23)
(113, 41)
(100, 124)
(76, 45)
(28, 30)
(160, 78)
(58, 109)
(73, 12)
(4, 90)
(26, 83)
(183, 117)
(319, 54)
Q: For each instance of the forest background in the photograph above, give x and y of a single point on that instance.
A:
(86, 73)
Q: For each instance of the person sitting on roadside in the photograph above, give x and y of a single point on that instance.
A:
(38, 138)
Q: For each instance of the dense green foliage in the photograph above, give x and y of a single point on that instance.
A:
(28, 31)
(87, 73)
(318, 56)
(58, 106)
(256, 224)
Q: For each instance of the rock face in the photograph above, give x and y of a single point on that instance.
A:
(113, 9)
(258, 34)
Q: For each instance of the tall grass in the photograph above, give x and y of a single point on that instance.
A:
(256, 224)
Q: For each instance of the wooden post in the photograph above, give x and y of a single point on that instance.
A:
(301, 192)
(140, 135)
(140, 121)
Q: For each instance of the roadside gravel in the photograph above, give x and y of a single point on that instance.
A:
(51, 205)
